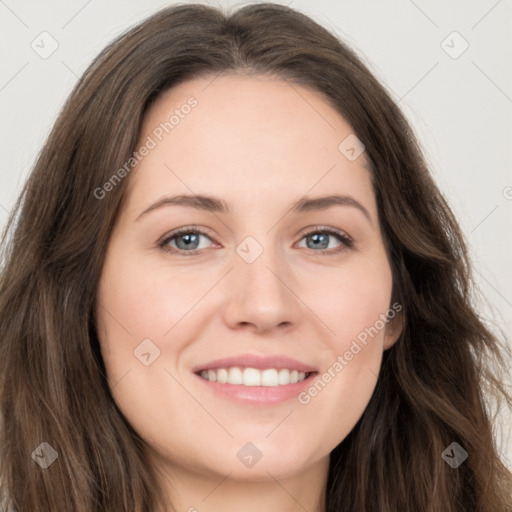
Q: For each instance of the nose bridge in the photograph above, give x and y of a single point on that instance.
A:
(262, 274)
(257, 267)
(261, 292)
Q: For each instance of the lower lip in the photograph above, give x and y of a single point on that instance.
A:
(258, 395)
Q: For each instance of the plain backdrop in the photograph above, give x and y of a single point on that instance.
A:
(448, 64)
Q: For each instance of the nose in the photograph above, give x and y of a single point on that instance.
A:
(261, 296)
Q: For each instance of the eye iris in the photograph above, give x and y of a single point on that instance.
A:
(189, 240)
(320, 240)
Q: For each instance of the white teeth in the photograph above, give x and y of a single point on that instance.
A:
(222, 375)
(269, 377)
(284, 377)
(235, 376)
(253, 377)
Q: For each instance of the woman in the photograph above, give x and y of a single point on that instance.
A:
(233, 283)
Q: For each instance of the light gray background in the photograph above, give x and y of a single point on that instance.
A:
(460, 107)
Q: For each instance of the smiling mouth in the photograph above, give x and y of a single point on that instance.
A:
(270, 377)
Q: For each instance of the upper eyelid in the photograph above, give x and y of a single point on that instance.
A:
(185, 230)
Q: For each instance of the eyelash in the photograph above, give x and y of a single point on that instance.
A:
(346, 241)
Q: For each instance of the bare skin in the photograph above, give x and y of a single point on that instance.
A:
(260, 145)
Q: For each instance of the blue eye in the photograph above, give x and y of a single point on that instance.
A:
(188, 241)
(185, 240)
(321, 238)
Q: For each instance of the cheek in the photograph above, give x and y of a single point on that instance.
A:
(354, 307)
(354, 302)
(137, 307)
(139, 301)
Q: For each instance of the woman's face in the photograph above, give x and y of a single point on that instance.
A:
(266, 285)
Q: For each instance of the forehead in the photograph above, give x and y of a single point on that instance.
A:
(246, 137)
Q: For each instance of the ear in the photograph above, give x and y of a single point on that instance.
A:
(393, 329)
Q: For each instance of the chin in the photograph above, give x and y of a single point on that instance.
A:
(261, 461)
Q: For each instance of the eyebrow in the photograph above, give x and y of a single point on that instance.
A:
(215, 205)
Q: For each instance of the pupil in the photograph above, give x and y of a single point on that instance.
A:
(323, 244)
(187, 239)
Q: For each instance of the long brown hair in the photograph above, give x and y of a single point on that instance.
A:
(437, 383)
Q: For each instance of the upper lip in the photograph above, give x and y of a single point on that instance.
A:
(278, 362)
